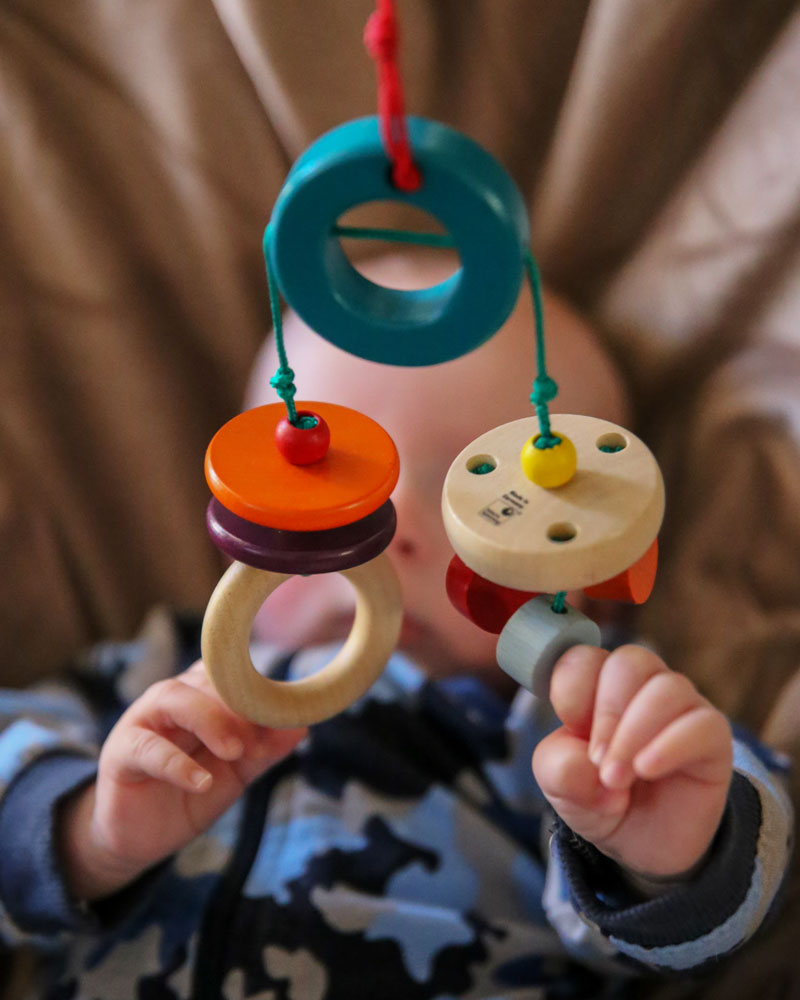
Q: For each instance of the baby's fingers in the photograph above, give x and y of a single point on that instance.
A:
(623, 674)
(175, 706)
(659, 701)
(699, 744)
(141, 753)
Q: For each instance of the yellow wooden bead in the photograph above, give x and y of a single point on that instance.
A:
(549, 467)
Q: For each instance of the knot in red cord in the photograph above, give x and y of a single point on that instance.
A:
(380, 35)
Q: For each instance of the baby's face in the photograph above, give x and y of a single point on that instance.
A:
(431, 413)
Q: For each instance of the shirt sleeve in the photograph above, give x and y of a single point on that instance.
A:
(48, 748)
(50, 738)
(695, 922)
(35, 900)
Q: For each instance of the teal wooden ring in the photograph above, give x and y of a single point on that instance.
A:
(463, 186)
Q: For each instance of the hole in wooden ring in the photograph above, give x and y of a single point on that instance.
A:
(612, 442)
(563, 531)
(480, 465)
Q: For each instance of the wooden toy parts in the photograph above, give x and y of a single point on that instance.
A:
(549, 467)
(485, 604)
(463, 186)
(302, 552)
(307, 491)
(535, 637)
(305, 442)
(283, 504)
(517, 534)
(285, 704)
(528, 508)
(490, 605)
(634, 585)
(249, 476)
(579, 511)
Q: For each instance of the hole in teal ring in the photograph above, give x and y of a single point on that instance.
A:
(413, 310)
(383, 228)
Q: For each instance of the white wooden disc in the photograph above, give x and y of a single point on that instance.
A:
(506, 528)
(225, 644)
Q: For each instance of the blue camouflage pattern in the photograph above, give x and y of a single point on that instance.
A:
(402, 851)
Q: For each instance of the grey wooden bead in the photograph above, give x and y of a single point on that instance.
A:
(535, 636)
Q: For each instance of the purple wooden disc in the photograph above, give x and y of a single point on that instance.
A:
(301, 552)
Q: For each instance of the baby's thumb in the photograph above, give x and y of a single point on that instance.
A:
(570, 783)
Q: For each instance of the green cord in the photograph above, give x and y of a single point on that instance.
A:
(283, 379)
(395, 236)
(544, 389)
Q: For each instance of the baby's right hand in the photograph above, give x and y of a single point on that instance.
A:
(176, 760)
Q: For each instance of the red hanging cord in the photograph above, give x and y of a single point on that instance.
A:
(381, 40)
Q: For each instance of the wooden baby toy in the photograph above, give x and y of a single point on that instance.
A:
(286, 502)
(523, 524)
(527, 509)
(520, 534)
(281, 507)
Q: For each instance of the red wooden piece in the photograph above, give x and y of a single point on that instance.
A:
(634, 585)
(303, 445)
(485, 604)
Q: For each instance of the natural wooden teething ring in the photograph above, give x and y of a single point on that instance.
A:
(286, 704)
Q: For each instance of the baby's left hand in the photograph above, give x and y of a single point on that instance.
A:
(642, 763)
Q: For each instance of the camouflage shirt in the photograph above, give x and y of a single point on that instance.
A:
(402, 851)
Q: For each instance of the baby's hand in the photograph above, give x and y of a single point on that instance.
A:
(175, 761)
(642, 763)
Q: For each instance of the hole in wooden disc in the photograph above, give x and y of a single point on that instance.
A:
(479, 465)
(612, 442)
(562, 532)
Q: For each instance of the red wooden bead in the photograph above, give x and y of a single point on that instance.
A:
(634, 585)
(487, 605)
(303, 445)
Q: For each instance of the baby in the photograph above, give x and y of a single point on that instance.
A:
(401, 849)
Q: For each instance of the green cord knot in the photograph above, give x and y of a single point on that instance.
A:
(283, 383)
(545, 389)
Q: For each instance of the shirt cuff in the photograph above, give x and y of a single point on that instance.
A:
(32, 887)
(690, 911)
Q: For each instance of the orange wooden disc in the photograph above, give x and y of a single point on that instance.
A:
(249, 476)
(633, 585)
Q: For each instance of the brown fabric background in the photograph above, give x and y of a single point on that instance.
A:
(658, 145)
